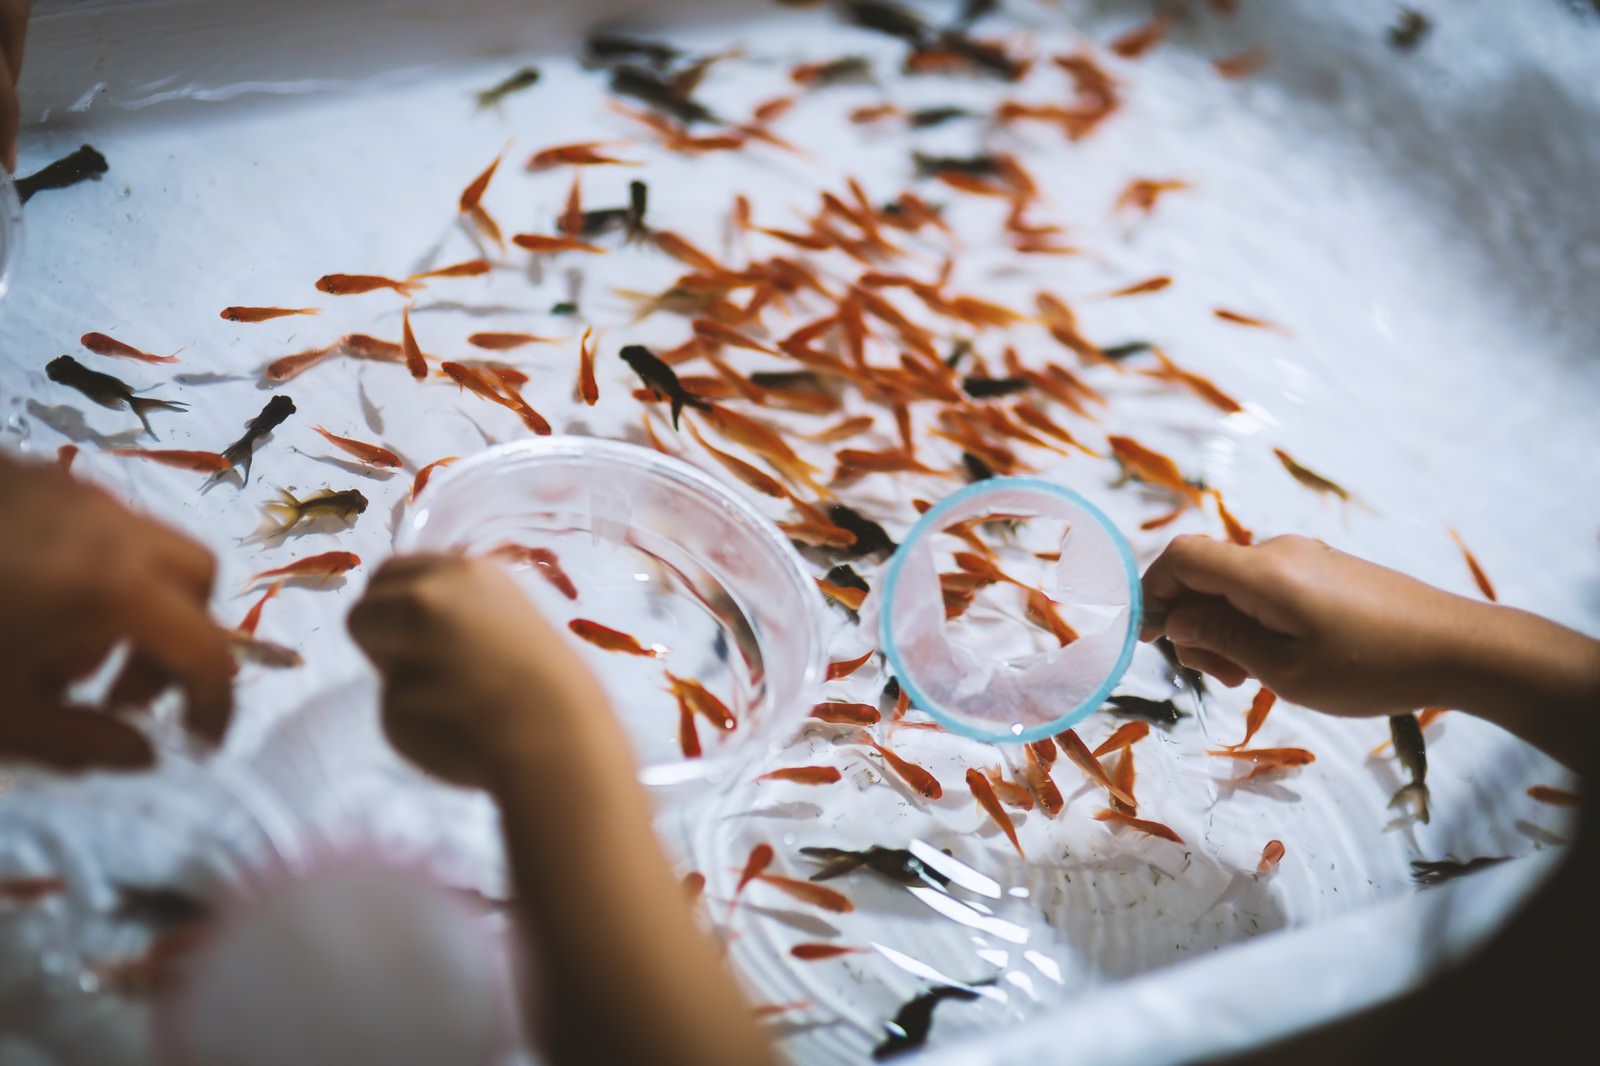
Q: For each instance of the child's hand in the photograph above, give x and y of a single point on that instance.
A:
(476, 682)
(1318, 627)
(82, 575)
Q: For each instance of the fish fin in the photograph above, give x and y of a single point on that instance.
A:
(143, 405)
(677, 409)
(1415, 794)
(280, 515)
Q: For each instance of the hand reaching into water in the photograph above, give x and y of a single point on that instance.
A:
(1341, 635)
(82, 574)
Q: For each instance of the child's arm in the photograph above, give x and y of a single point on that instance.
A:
(1345, 636)
(480, 690)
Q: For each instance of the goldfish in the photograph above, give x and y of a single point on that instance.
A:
(645, 86)
(242, 451)
(983, 792)
(1141, 288)
(1123, 775)
(846, 713)
(701, 701)
(757, 479)
(1030, 415)
(247, 625)
(1059, 319)
(1239, 319)
(290, 366)
(688, 734)
(287, 512)
(916, 776)
(886, 18)
(416, 361)
(908, 1029)
(683, 251)
(421, 481)
(1041, 611)
(1236, 531)
(716, 333)
(1268, 760)
(1009, 792)
(760, 858)
(199, 462)
(543, 245)
(661, 378)
(806, 892)
(1413, 753)
(82, 164)
(1161, 712)
(846, 667)
(1409, 29)
(1243, 64)
(497, 386)
(1314, 481)
(1036, 777)
(1424, 872)
(1073, 747)
(832, 72)
(354, 284)
(850, 427)
(588, 388)
(371, 454)
(760, 439)
(543, 560)
(1271, 855)
(106, 390)
(893, 864)
(523, 78)
(848, 597)
(1151, 467)
(1260, 705)
(818, 952)
(471, 268)
(1142, 825)
(1478, 576)
(499, 342)
(1141, 194)
(583, 154)
(1142, 38)
(612, 640)
(264, 314)
(479, 185)
(30, 889)
(251, 649)
(1558, 797)
(1123, 736)
(804, 775)
(322, 567)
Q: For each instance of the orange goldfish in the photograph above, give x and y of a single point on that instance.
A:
(354, 284)
(100, 344)
(371, 454)
(983, 792)
(613, 640)
(263, 314)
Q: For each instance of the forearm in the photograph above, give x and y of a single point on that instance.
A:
(1530, 676)
(621, 972)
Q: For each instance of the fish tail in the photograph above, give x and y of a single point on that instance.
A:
(280, 515)
(677, 408)
(1416, 795)
(143, 405)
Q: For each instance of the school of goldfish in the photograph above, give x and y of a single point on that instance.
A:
(823, 353)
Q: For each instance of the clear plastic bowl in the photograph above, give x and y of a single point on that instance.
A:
(1002, 678)
(664, 553)
(10, 232)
